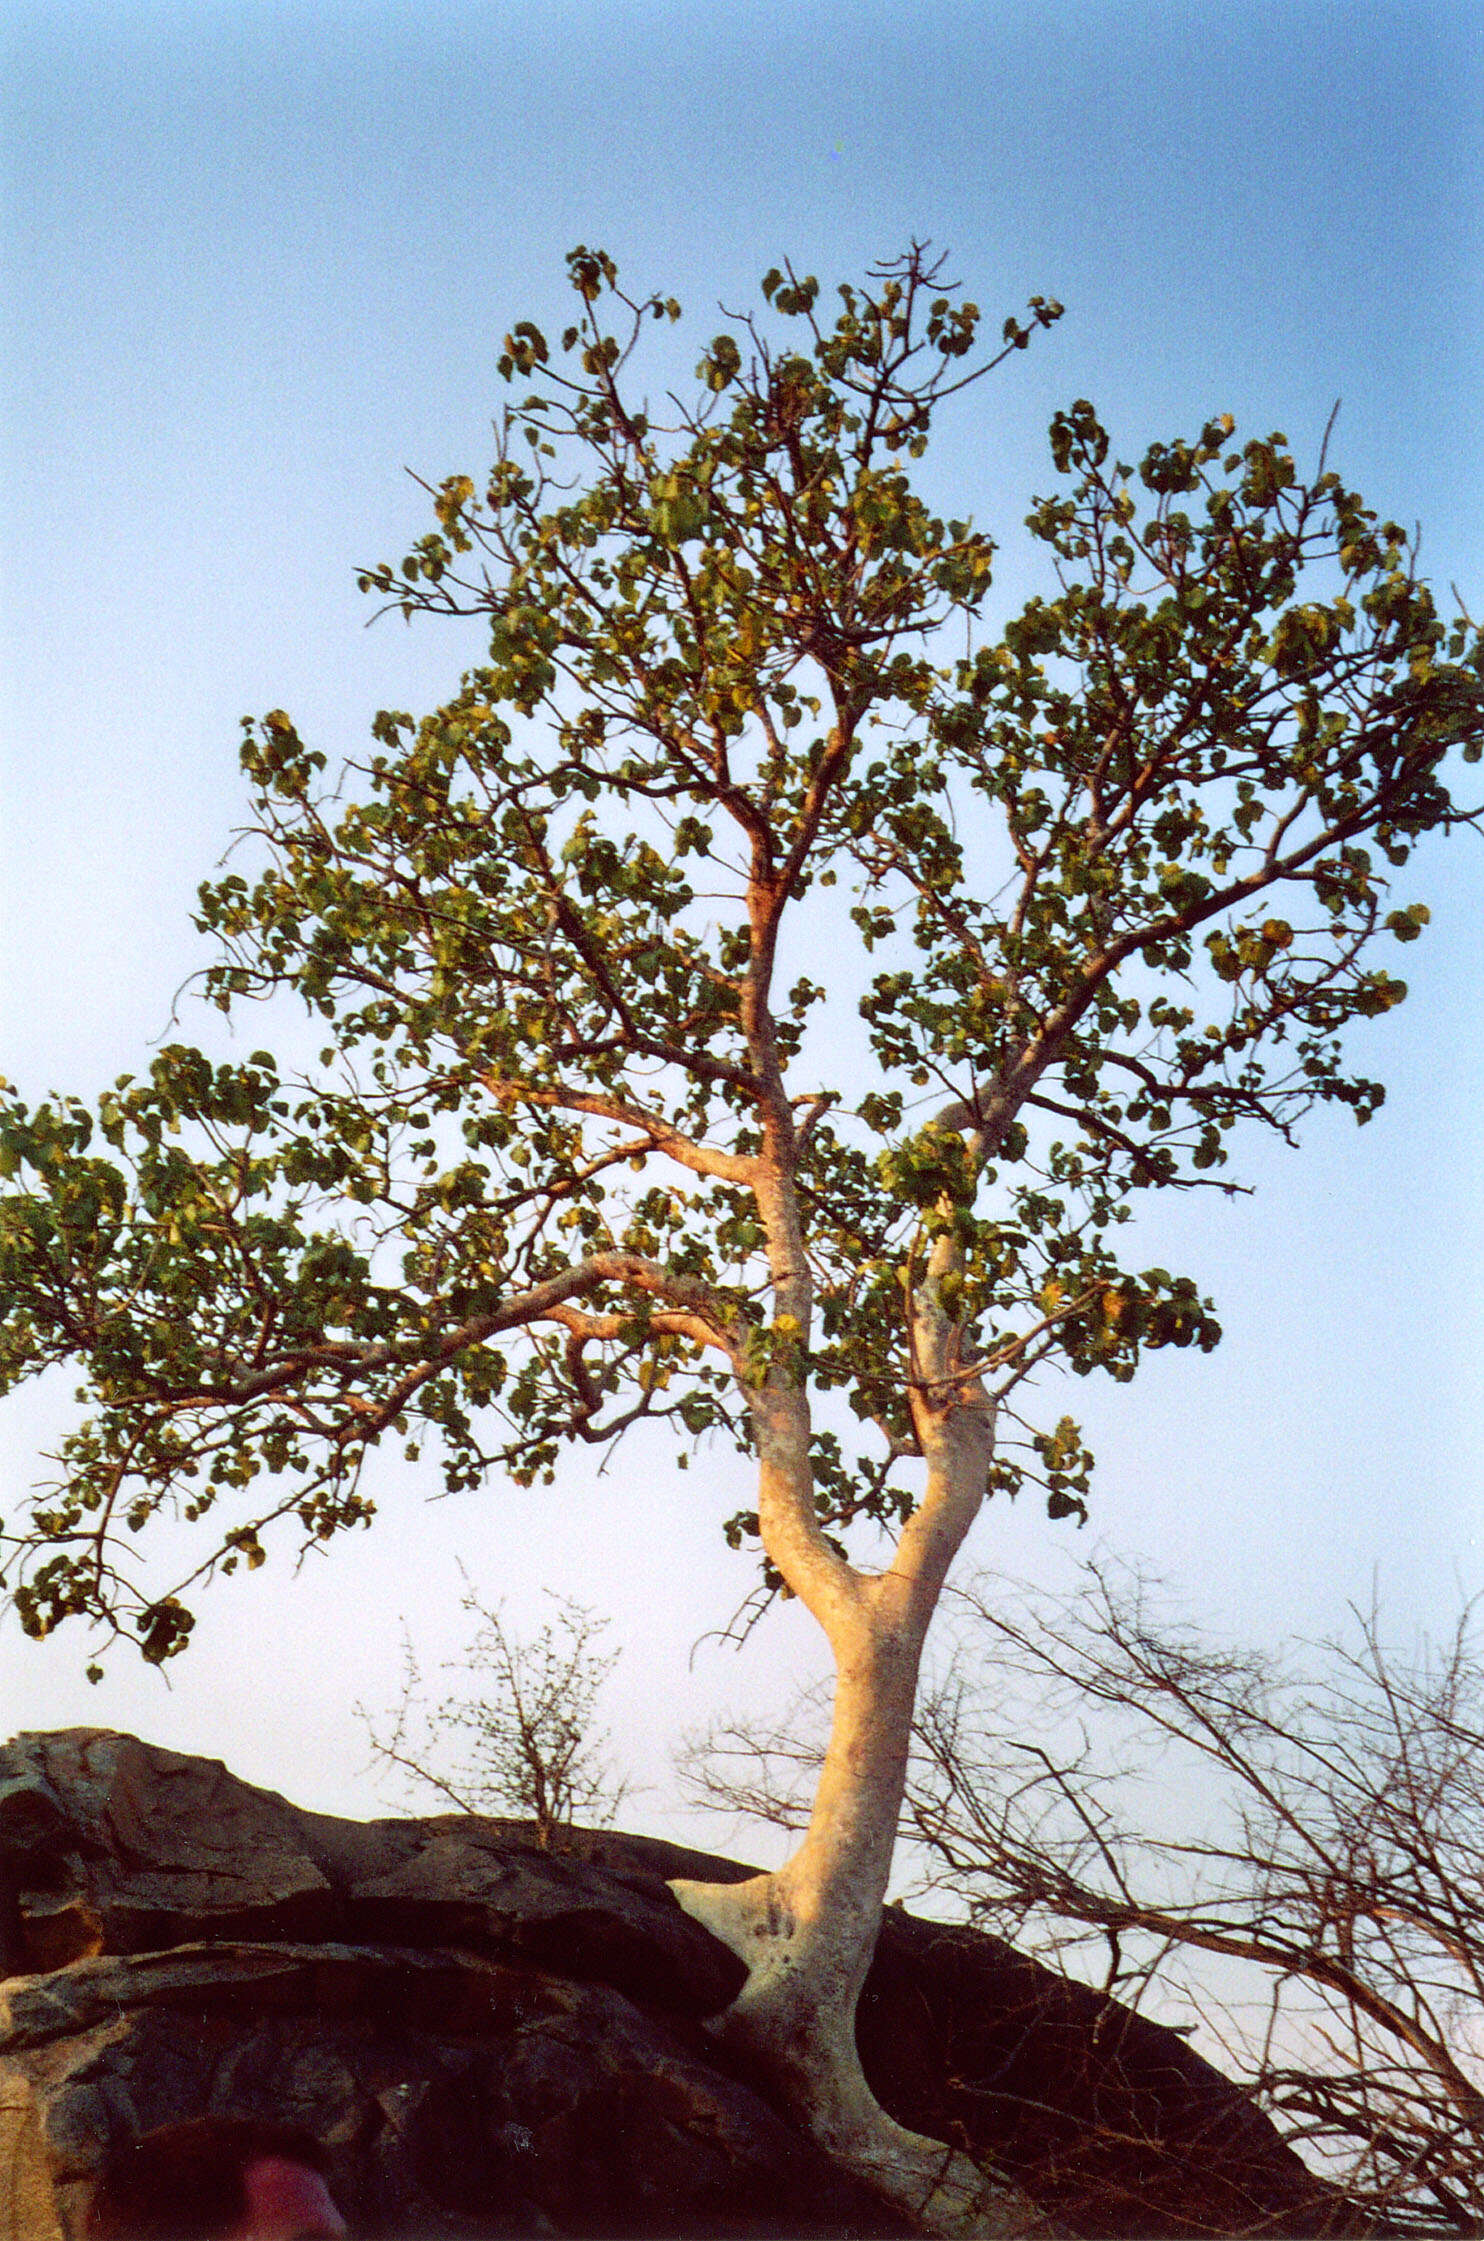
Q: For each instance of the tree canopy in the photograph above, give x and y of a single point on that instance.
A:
(761, 950)
(754, 1001)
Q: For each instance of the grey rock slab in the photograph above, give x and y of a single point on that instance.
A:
(130, 1848)
(462, 1885)
(501, 2039)
(151, 1848)
(456, 2095)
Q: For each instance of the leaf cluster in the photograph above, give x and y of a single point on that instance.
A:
(734, 967)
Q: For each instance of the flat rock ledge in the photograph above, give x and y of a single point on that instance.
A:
(496, 2040)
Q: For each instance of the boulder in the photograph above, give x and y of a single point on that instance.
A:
(457, 2095)
(154, 1849)
(493, 2039)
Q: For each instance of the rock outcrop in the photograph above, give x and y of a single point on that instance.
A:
(496, 2040)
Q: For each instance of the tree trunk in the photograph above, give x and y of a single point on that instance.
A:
(808, 1932)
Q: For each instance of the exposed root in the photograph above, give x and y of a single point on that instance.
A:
(802, 2044)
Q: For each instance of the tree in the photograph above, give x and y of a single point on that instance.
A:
(1317, 1821)
(528, 1731)
(591, 1145)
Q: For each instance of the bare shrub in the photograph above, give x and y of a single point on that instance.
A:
(523, 1743)
(1289, 1849)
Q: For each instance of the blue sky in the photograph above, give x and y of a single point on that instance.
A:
(258, 258)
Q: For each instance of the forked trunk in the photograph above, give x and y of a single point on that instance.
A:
(808, 1932)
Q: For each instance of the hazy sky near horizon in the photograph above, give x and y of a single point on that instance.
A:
(259, 257)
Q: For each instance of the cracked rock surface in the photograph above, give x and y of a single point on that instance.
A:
(494, 2040)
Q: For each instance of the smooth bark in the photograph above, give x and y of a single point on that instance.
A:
(808, 1932)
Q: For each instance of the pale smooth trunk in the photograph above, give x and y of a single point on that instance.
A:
(808, 1932)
